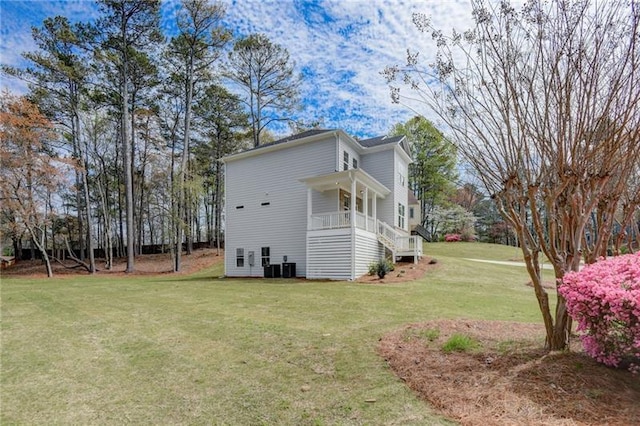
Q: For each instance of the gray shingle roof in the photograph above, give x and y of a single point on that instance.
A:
(304, 134)
(380, 140)
(367, 143)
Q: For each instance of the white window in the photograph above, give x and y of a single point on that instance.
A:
(240, 258)
(402, 173)
(345, 161)
(401, 215)
(411, 213)
(355, 163)
(266, 256)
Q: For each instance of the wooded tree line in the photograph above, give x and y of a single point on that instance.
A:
(139, 118)
(448, 204)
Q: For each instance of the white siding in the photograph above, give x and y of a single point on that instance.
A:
(400, 192)
(343, 146)
(325, 202)
(368, 250)
(384, 166)
(380, 165)
(272, 177)
(329, 254)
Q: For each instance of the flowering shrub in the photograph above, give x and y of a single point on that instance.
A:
(604, 298)
(452, 238)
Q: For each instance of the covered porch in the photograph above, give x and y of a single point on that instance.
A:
(352, 236)
(357, 195)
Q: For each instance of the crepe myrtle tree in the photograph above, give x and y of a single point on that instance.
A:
(543, 102)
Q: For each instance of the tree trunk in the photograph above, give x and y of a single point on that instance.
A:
(126, 158)
(79, 205)
(41, 248)
(560, 337)
(184, 164)
(84, 170)
(17, 247)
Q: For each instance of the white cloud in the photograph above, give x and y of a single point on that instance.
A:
(18, 17)
(342, 44)
(346, 44)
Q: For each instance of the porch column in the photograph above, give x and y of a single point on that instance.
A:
(365, 207)
(374, 212)
(353, 202)
(309, 207)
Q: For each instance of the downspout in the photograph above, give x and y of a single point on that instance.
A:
(309, 227)
(337, 151)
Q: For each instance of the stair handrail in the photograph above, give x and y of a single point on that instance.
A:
(387, 233)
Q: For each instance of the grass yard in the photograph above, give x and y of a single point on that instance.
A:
(199, 349)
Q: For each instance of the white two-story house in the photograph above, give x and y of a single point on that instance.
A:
(321, 200)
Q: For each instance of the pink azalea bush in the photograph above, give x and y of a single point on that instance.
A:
(604, 299)
(453, 238)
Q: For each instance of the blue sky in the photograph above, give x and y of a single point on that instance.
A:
(340, 47)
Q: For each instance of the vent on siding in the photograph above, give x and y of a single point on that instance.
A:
(239, 207)
(265, 204)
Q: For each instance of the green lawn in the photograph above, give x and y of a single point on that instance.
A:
(200, 349)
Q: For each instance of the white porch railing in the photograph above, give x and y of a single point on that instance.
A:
(331, 220)
(400, 244)
(335, 220)
(412, 243)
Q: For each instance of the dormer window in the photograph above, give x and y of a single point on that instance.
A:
(345, 160)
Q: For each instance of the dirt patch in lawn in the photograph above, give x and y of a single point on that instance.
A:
(504, 378)
(402, 272)
(146, 264)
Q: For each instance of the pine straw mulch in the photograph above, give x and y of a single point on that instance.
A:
(146, 264)
(403, 272)
(509, 380)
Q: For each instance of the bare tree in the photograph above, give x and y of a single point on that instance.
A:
(544, 103)
(265, 73)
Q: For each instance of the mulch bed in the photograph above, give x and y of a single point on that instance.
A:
(147, 264)
(509, 379)
(403, 272)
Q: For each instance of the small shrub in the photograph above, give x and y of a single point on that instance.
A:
(604, 299)
(373, 268)
(381, 268)
(459, 343)
(453, 238)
